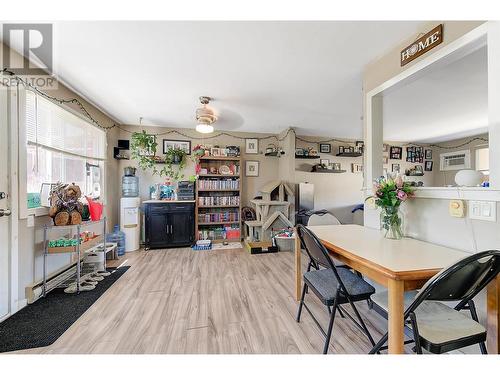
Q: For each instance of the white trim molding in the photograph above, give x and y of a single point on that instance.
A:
(487, 33)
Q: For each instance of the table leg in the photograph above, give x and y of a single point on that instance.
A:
(298, 268)
(493, 314)
(396, 316)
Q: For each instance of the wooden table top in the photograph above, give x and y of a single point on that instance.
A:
(399, 259)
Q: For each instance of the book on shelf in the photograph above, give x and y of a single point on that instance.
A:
(211, 217)
(220, 233)
(233, 200)
(219, 184)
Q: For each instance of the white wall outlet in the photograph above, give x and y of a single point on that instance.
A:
(370, 203)
(457, 208)
(483, 210)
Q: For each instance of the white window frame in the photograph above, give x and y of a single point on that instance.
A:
(24, 211)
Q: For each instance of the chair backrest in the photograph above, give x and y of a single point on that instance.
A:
(314, 248)
(325, 219)
(461, 281)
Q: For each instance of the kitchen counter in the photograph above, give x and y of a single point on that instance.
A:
(167, 201)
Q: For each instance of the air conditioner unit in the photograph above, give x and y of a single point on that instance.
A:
(453, 161)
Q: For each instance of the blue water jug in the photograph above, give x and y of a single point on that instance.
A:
(119, 237)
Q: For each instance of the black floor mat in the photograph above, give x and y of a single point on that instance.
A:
(43, 322)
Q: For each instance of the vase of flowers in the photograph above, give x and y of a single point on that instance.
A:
(389, 194)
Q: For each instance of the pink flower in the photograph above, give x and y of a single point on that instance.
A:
(402, 195)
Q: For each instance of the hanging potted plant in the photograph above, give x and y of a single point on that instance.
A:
(175, 156)
(143, 148)
(389, 195)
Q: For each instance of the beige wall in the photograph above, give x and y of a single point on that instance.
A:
(389, 64)
(445, 178)
(427, 178)
(436, 178)
(336, 192)
(268, 166)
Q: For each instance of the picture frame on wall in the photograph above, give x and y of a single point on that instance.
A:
(356, 168)
(177, 144)
(360, 146)
(385, 159)
(385, 147)
(395, 152)
(341, 149)
(415, 154)
(419, 169)
(251, 146)
(428, 165)
(325, 148)
(215, 151)
(428, 154)
(396, 168)
(252, 168)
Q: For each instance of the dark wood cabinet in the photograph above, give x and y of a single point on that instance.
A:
(169, 225)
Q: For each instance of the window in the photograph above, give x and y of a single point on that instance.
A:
(61, 147)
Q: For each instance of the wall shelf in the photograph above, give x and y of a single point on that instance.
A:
(216, 206)
(229, 158)
(219, 175)
(349, 154)
(218, 223)
(329, 171)
(275, 153)
(307, 157)
(217, 190)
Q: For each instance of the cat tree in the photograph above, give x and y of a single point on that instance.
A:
(273, 212)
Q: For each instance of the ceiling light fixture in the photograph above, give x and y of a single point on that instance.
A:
(205, 116)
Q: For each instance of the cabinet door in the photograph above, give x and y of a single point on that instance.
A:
(181, 228)
(157, 228)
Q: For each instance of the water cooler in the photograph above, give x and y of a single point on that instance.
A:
(130, 214)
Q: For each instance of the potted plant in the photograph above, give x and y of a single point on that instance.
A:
(389, 194)
(175, 156)
(143, 148)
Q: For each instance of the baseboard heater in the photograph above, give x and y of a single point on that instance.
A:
(35, 291)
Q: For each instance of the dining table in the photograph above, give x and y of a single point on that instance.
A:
(399, 265)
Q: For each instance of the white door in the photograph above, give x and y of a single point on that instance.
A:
(4, 207)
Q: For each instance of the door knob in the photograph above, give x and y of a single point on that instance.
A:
(4, 212)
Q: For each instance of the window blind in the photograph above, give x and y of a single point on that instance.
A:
(51, 127)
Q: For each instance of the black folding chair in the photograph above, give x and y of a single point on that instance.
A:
(437, 327)
(334, 286)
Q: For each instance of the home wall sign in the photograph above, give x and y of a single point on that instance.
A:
(422, 45)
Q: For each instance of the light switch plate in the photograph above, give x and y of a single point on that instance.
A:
(457, 208)
(31, 221)
(483, 210)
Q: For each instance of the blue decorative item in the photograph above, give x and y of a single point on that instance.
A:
(119, 237)
(34, 200)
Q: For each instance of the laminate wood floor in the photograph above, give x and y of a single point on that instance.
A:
(220, 301)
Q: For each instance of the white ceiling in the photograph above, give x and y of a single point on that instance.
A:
(447, 103)
(264, 76)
